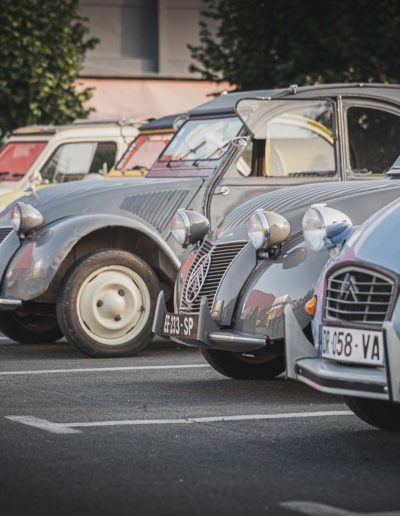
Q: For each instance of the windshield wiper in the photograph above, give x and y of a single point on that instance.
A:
(217, 150)
(192, 151)
(328, 173)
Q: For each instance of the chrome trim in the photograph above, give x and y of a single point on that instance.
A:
(235, 341)
(14, 303)
(351, 300)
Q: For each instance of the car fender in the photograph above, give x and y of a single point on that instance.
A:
(35, 265)
(290, 278)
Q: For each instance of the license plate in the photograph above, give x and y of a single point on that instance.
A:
(180, 325)
(352, 345)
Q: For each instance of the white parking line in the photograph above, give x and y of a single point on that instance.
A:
(70, 428)
(321, 509)
(102, 369)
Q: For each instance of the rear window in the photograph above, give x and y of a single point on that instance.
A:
(16, 158)
(144, 151)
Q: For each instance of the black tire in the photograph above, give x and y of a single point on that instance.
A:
(27, 328)
(75, 327)
(239, 366)
(382, 414)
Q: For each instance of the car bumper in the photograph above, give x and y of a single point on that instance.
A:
(209, 334)
(9, 304)
(304, 364)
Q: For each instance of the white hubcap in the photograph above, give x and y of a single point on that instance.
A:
(113, 305)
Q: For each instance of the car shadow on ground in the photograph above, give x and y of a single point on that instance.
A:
(63, 350)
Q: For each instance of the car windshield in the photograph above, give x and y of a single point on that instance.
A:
(16, 158)
(202, 140)
(144, 151)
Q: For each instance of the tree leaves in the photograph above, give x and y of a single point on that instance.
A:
(265, 43)
(42, 47)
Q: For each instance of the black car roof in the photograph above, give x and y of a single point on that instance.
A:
(225, 104)
(163, 123)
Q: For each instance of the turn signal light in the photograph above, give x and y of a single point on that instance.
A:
(311, 306)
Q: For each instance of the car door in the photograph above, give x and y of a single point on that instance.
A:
(372, 130)
(293, 141)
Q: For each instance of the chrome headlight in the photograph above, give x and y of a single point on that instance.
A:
(25, 218)
(189, 227)
(324, 227)
(266, 228)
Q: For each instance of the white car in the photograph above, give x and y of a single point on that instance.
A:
(57, 154)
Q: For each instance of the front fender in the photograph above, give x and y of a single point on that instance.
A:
(275, 283)
(35, 265)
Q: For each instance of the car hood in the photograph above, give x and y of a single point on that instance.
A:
(377, 241)
(152, 200)
(292, 203)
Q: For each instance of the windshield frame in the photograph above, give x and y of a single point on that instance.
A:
(174, 162)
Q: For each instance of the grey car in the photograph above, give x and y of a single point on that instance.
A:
(355, 350)
(233, 288)
(87, 261)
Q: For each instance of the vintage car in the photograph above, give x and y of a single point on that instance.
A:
(88, 260)
(147, 146)
(233, 288)
(57, 154)
(356, 315)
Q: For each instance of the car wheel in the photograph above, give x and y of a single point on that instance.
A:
(246, 366)
(29, 328)
(382, 414)
(107, 303)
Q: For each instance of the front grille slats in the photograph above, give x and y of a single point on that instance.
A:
(358, 294)
(4, 232)
(221, 255)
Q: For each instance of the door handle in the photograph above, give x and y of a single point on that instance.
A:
(224, 190)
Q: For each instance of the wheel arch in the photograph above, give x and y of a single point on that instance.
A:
(51, 253)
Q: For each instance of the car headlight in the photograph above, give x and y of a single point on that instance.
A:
(324, 227)
(266, 228)
(25, 218)
(189, 227)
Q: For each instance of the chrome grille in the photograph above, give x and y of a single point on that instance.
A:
(4, 232)
(221, 255)
(358, 295)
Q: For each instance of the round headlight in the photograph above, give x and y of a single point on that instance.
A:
(180, 227)
(314, 229)
(325, 227)
(267, 229)
(189, 227)
(258, 229)
(24, 218)
(15, 218)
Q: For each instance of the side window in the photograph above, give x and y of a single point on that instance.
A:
(73, 161)
(297, 141)
(374, 137)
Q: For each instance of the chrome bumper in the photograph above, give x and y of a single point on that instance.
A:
(9, 304)
(209, 334)
(304, 364)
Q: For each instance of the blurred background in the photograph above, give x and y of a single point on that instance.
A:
(67, 59)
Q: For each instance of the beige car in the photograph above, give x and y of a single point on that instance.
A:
(57, 154)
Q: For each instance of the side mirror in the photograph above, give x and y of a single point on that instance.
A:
(240, 142)
(104, 169)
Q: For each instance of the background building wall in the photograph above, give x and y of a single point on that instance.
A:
(141, 65)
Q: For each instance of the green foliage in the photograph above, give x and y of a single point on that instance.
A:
(265, 43)
(42, 47)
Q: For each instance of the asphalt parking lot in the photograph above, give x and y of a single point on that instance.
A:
(162, 433)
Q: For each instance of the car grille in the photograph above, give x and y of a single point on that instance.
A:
(358, 295)
(220, 256)
(4, 232)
